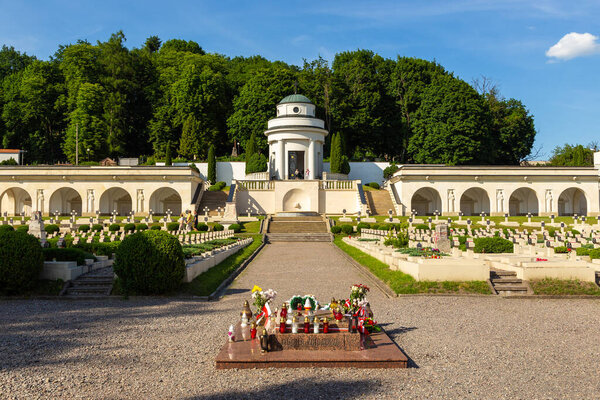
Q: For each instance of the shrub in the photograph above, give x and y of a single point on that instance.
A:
(212, 164)
(68, 254)
(362, 225)
(98, 248)
(595, 254)
(256, 163)
(141, 227)
(375, 226)
(202, 227)
(130, 227)
(97, 228)
(237, 228)
(347, 229)
(150, 262)
(23, 228)
(155, 228)
(389, 171)
(213, 188)
(582, 251)
(21, 261)
(114, 227)
(83, 228)
(172, 226)
(493, 245)
(398, 242)
(4, 228)
(422, 226)
(218, 227)
(374, 185)
(336, 229)
(561, 250)
(51, 228)
(386, 227)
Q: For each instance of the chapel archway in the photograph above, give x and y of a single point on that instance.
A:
(474, 201)
(164, 199)
(523, 201)
(115, 199)
(14, 201)
(64, 201)
(572, 201)
(426, 201)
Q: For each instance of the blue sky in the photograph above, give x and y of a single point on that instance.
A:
(509, 41)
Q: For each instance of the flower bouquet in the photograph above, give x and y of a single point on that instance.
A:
(261, 299)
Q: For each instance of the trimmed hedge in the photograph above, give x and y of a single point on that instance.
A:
(68, 254)
(374, 185)
(5, 228)
(493, 245)
(51, 228)
(97, 228)
(237, 228)
(561, 250)
(172, 226)
(347, 229)
(362, 225)
(150, 262)
(594, 254)
(83, 228)
(23, 228)
(21, 261)
(202, 227)
(130, 227)
(99, 248)
(336, 229)
(155, 228)
(218, 227)
(422, 226)
(141, 227)
(114, 227)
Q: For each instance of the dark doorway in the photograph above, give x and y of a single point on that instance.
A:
(296, 162)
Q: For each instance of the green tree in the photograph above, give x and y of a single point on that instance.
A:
(212, 165)
(250, 152)
(256, 163)
(335, 157)
(168, 161)
(182, 45)
(572, 156)
(190, 142)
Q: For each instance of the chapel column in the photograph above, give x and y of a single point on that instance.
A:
(280, 161)
(311, 160)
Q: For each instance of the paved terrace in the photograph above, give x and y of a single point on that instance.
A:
(461, 347)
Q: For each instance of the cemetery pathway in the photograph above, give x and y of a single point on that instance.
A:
(299, 268)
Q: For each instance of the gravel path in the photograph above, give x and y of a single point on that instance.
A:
(461, 347)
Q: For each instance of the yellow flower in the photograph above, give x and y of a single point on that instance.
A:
(256, 289)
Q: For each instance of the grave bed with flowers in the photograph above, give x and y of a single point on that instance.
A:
(307, 333)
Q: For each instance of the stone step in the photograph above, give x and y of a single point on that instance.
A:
(510, 288)
(88, 289)
(93, 282)
(506, 280)
(379, 202)
(503, 273)
(289, 237)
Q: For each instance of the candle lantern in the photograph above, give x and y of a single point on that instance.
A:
(264, 341)
(316, 325)
(306, 325)
(253, 330)
(246, 311)
(325, 326)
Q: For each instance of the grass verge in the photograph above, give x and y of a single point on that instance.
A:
(207, 282)
(402, 283)
(564, 287)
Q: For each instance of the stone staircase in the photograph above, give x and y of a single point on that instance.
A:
(94, 284)
(298, 229)
(379, 202)
(212, 200)
(506, 283)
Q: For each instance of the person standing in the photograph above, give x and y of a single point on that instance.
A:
(195, 220)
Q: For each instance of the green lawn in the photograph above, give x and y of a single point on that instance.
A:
(402, 283)
(206, 283)
(564, 287)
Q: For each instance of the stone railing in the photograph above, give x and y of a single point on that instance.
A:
(337, 185)
(256, 185)
(328, 176)
(258, 176)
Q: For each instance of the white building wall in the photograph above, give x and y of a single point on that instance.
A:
(368, 171)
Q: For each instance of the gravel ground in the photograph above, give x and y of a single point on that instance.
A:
(460, 347)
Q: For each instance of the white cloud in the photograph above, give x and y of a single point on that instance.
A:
(574, 45)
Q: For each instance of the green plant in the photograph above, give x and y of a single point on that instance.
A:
(114, 227)
(155, 228)
(69, 254)
(168, 161)
(51, 228)
(23, 228)
(202, 227)
(221, 185)
(422, 226)
(347, 229)
(150, 262)
(218, 227)
(21, 261)
(256, 163)
(493, 245)
(84, 228)
(561, 250)
(582, 251)
(336, 229)
(375, 226)
(98, 248)
(595, 254)
(97, 228)
(4, 228)
(399, 241)
(374, 185)
(237, 228)
(362, 225)
(212, 164)
(388, 172)
(141, 227)
(129, 227)
(172, 226)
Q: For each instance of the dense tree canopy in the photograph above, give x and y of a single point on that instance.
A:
(172, 94)
(574, 155)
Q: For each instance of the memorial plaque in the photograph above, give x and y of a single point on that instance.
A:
(441, 238)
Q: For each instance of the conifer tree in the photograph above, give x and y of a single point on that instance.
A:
(168, 161)
(212, 165)
(250, 151)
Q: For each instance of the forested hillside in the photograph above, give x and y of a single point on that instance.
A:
(136, 102)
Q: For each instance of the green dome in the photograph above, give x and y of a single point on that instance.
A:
(295, 98)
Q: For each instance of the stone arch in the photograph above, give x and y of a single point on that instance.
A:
(115, 199)
(572, 201)
(474, 201)
(164, 199)
(523, 201)
(65, 200)
(426, 201)
(14, 201)
(296, 200)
